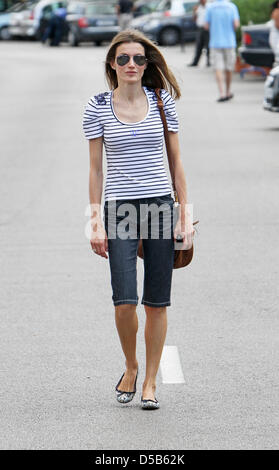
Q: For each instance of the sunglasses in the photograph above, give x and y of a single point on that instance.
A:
(124, 59)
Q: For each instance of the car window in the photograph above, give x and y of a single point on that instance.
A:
(16, 7)
(76, 8)
(47, 12)
(56, 5)
(148, 7)
(20, 7)
(100, 9)
(163, 6)
(153, 4)
(144, 9)
(188, 6)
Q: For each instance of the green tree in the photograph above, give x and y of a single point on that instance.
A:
(254, 11)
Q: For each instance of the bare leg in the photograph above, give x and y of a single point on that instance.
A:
(127, 325)
(228, 82)
(155, 335)
(219, 78)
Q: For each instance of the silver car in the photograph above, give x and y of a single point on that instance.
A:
(91, 22)
(21, 20)
(169, 23)
(27, 21)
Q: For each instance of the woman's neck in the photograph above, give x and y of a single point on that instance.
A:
(128, 91)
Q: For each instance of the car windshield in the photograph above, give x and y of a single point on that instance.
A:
(20, 6)
(163, 6)
(76, 7)
(176, 5)
(149, 6)
(100, 9)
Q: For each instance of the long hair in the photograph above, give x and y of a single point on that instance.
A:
(156, 75)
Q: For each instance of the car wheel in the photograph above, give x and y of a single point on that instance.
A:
(98, 43)
(169, 37)
(72, 39)
(5, 34)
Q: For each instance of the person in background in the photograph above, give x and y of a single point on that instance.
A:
(54, 30)
(124, 11)
(274, 31)
(202, 41)
(222, 20)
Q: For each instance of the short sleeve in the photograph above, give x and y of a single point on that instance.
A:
(170, 111)
(207, 14)
(235, 12)
(92, 126)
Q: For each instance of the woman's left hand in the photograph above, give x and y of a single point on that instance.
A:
(186, 231)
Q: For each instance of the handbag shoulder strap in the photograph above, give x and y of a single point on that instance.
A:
(167, 141)
(166, 134)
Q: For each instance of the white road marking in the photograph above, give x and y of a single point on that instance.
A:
(170, 365)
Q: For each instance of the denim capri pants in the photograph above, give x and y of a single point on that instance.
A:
(126, 221)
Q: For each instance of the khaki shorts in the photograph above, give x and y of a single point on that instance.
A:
(223, 59)
(124, 20)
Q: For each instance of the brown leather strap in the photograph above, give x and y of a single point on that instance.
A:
(166, 134)
(167, 141)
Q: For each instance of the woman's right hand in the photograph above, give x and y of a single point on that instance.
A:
(99, 239)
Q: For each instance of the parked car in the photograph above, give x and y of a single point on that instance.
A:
(91, 22)
(4, 25)
(255, 48)
(31, 20)
(144, 7)
(271, 91)
(22, 20)
(169, 23)
(5, 19)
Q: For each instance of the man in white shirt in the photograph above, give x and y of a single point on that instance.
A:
(202, 35)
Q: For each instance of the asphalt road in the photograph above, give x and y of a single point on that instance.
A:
(60, 353)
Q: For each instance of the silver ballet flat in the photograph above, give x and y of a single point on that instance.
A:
(125, 397)
(150, 404)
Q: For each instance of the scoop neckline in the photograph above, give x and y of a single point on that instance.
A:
(131, 123)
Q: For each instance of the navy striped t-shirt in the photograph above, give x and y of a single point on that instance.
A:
(134, 151)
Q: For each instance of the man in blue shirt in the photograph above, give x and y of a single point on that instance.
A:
(222, 20)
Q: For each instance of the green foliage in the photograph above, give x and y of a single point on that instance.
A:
(254, 11)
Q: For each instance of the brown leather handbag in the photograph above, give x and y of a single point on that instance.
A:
(181, 257)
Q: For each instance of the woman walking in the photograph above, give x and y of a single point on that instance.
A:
(127, 121)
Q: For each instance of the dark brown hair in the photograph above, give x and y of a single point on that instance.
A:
(157, 73)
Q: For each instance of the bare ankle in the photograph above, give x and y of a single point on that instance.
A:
(131, 366)
(149, 384)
